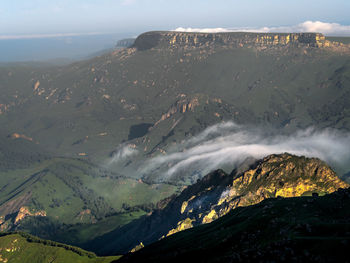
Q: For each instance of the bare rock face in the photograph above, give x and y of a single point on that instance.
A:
(9, 222)
(282, 175)
(25, 212)
(235, 39)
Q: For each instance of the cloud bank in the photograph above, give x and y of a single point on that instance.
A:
(122, 153)
(328, 29)
(229, 144)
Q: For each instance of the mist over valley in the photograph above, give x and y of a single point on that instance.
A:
(166, 145)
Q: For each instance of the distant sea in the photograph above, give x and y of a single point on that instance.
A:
(60, 48)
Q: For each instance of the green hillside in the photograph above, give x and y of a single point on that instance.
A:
(63, 198)
(24, 248)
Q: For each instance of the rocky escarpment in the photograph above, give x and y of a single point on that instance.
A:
(235, 39)
(182, 105)
(11, 221)
(218, 193)
(275, 176)
(305, 229)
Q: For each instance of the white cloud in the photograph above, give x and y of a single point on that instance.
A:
(329, 29)
(122, 153)
(229, 144)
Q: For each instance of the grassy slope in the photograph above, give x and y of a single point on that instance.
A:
(26, 249)
(296, 229)
(74, 194)
(62, 185)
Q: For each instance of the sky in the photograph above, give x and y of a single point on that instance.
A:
(50, 17)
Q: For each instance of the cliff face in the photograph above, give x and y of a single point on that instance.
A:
(10, 221)
(282, 175)
(235, 39)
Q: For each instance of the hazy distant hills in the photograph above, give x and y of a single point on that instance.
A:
(55, 49)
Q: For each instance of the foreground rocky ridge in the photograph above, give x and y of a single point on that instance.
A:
(303, 229)
(277, 228)
(218, 193)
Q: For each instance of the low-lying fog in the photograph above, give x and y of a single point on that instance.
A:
(228, 145)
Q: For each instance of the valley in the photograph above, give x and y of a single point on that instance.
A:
(122, 150)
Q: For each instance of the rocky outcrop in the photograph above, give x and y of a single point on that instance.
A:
(86, 216)
(25, 212)
(20, 136)
(150, 40)
(3, 108)
(306, 229)
(137, 248)
(183, 105)
(276, 176)
(10, 221)
(218, 193)
(281, 175)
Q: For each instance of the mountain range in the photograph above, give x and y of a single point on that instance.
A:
(123, 149)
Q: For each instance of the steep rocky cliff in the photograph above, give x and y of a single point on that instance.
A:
(275, 176)
(237, 39)
(218, 193)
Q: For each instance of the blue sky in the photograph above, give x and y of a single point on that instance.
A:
(18, 17)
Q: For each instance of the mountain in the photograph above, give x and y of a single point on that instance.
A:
(170, 86)
(218, 193)
(76, 101)
(20, 247)
(302, 229)
(80, 143)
